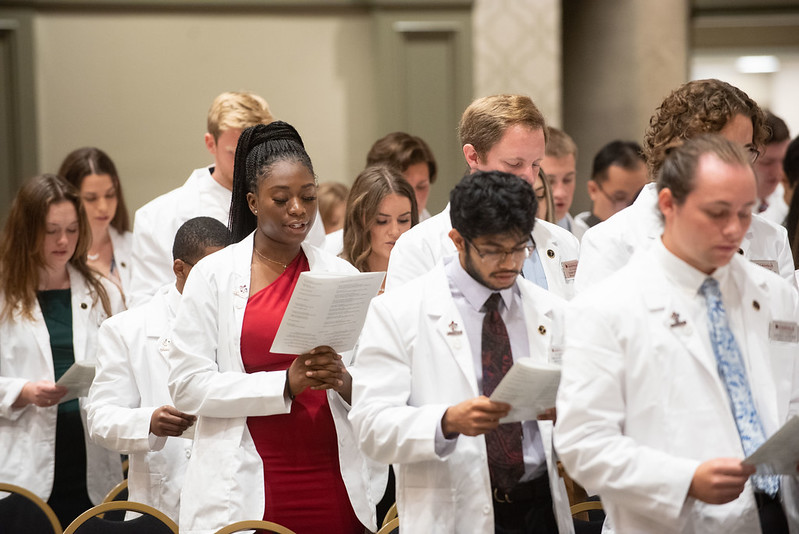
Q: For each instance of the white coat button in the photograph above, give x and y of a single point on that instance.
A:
(486, 509)
(188, 453)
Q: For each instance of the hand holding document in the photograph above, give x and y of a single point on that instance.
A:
(326, 309)
(779, 455)
(530, 387)
(78, 379)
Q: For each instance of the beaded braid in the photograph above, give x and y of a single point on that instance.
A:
(260, 147)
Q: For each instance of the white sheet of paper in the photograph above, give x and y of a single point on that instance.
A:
(78, 379)
(326, 309)
(779, 455)
(530, 387)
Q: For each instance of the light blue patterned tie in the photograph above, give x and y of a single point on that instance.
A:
(733, 373)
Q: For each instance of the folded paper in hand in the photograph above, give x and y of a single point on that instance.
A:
(326, 309)
(779, 455)
(530, 387)
(78, 379)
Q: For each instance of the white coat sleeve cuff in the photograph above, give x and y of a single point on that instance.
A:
(156, 442)
(443, 445)
(10, 390)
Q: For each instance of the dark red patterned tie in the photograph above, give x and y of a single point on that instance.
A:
(504, 444)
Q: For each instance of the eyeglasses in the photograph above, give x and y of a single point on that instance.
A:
(499, 256)
(619, 203)
(754, 153)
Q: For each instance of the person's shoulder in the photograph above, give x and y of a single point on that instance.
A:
(539, 295)
(560, 236)
(622, 287)
(430, 228)
(174, 198)
(764, 229)
(759, 275)
(425, 285)
(320, 259)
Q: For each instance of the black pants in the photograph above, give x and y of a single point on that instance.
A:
(529, 510)
(772, 516)
(69, 497)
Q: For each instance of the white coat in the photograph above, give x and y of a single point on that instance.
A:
(123, 256)
(408, 369)
(608, 246)
(27, 435)
(419, 249)
(641, 403)
(129, 385)
(157, 222)
(224, 479)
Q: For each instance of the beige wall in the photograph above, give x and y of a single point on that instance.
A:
(517, 49)
(139, 86)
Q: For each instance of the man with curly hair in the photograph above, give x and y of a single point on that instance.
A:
(696, 107)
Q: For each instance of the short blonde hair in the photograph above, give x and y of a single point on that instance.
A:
(237, 110)
(486, 119)
(560, 144)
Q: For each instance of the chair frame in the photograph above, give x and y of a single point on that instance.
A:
(388, 527)
(38, 501)
(120, 505)
(390, 514)
(586, 506)
(115, 491)
(251, 524)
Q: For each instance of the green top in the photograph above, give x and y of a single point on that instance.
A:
(56, 307)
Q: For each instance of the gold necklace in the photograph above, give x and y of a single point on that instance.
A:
(284, 265)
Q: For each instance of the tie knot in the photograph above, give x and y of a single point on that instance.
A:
(710, 287)
(492, 303)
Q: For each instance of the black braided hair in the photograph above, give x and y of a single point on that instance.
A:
(260, 147)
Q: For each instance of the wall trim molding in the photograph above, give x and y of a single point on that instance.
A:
(277, 5)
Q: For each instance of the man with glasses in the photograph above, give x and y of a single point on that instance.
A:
(618, 175)
(505, 133)
(430, 356)
(700, 106)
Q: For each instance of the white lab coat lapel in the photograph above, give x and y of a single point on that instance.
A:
(443, 313)
(242, 274)
(547, 249)
(771, 408)
(538, 315)
(82, 316)
(670, 310)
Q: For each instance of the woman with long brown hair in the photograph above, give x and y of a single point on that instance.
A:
(380, 208)
(52, 304)
(95, 177)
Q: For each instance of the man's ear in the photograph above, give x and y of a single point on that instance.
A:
(472, 159)
(592, 188)
(666, 202)
(181, 270)
(210, 143)
(457, 238)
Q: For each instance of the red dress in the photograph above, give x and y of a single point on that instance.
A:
(302, 478)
